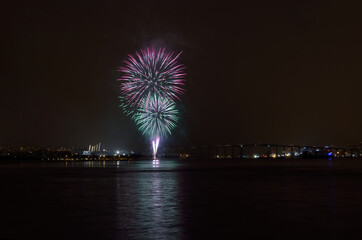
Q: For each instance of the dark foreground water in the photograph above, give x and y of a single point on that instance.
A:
(175, 199)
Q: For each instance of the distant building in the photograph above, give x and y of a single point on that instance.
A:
(94, 148)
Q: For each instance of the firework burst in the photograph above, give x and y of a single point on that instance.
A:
(148, 73)
(152, 80)
(157, 116)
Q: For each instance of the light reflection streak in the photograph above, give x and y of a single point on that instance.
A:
(155, 163)
(147, 201)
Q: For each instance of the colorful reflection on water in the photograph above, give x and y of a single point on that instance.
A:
(181, 199)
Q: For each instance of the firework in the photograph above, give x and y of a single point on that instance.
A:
(148, 73)
(151, 82)
(156, 117)
(155, 146)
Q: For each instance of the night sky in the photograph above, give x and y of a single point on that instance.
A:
(262, 71)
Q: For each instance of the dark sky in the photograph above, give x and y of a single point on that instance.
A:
(258, 71)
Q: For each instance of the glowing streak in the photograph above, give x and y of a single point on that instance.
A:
(154, 149)
(157, 142)
(155, 146)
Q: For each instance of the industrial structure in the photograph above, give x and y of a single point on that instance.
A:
(95, 148)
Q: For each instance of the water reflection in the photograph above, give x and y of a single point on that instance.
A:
(177, 199)
(148, 202)
(155, 163)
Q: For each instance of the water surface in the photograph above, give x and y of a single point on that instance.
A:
(182, 199)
